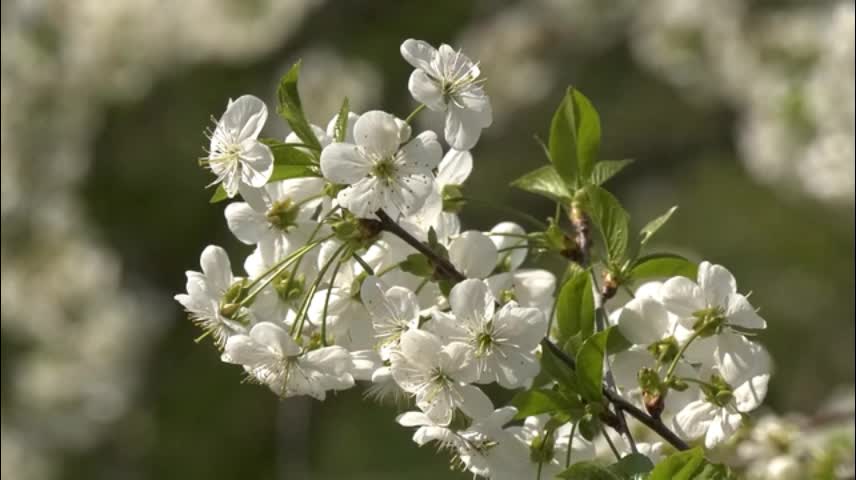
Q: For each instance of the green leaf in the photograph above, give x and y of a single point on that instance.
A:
(219, 195)
(575, 307)
(612, 221)
(651, 228)
(544, 181)
(291, 109)
(342, 122)
(536, 402)
(689, 465)
(662, 265)
(607, 169)
(557, 369)
(589, 471)
(574, 137)
(417, 264)
(589, 371)
(616, 343)
(632, 466)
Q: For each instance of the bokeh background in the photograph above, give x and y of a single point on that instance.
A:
(740, 112)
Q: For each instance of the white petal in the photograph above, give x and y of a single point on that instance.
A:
(274, 338)
(472, 302)
(257, 159)
(524, 326)
(739, 312)
(626, 366)
(420, 155)
(721, 428)
(456, 361)
(413, 419)
(692, 421)
(248, 225)
(717, 283)
(419, 54)
(682, 297)
(507, 241)
(474, 254)
(643, 321)
(426, 90)
(463, 127)
(420, 347)
(455, 167)
(363, 198)
(344, 163)
(217, 269)
(475, 403)
(245, 116)
(243, 350)
(533, 287)
(377, 132)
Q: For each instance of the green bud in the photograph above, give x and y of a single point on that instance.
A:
(664, 350)
(283, 214)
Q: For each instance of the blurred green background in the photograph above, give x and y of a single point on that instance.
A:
(141, 196)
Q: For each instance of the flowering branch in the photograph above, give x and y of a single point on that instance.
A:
(621, 405)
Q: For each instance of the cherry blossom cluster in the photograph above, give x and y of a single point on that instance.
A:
(360, 272)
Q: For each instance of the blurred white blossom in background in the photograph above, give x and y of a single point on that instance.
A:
(788, 72)
(81, 337)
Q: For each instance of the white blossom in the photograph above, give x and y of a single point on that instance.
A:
(206, 299)
(438, 375)
(236, 155)
(737, 385)
(715, 294)
(503, 342)
(446, 80)
(272, 357)
(380, 172)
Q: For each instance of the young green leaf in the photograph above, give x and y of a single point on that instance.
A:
(291, 109)
(290, 162)
(545, 400)
(607, 169)
(219, 195)
(342, 122)
(544, 181)
(651, 228)
(588, 134)
(589, 470)
(689, 465)
(611, 219)
(632, 466)
(589, 371)
(575, 307)
(574, 138)
(662, 265)
(557, 370)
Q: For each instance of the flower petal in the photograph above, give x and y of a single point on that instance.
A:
(275, 338)
(420, 155)
(472, 302)
(377, 132)
(717, 283)
(426, 90)
(217, 269)
(474, 254)
(257, 159)
(248, 225)
(463, 127)
(344, 163)
(455, 168)
(419, 54)
(739, 312)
